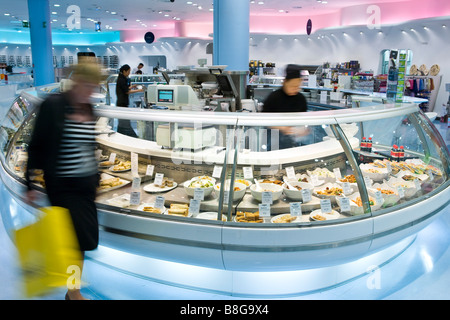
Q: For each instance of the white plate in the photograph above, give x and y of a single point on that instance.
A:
(141, 207)
(118, 171)
(105, 176)
(210, 216)
(152, 188)
(298, 219)
(122, 201)
(328, 216)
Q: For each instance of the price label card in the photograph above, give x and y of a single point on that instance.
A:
(248, 172)
(226, 196)
(290, 173)
(112, 158)
(417, 184)
(159, 179)
(378, 197)
(194, 206)
(314, 180)
(136, 184)
(134, 164)
(199, 194)
(430, 174)
(264, 210)
(296, 209)
(217, 172)
(345, 204)
(150, 169)
(159, 202)
(337, 173)
(389, 167)
(368, 182)
(135, 198)
(347, 188)
(306, 195)
(325, 205)
(267, 197)
(401, 192)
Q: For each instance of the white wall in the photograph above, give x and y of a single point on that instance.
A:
(430, 46)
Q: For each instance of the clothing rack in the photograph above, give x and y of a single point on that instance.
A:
(431, 95)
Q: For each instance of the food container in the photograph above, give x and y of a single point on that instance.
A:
(237, 194)
(297, 194)
(356, 207)
(275, 189)
(328, 191)
(204, 182)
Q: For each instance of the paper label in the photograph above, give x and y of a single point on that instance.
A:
(226, 196)
(150, 169)
(217, 172)
(112, 158)
(325, 205)
(199, 194)
(135, 198)
(337, 173)
(136, 184)
(159, 179)
(267, 197)
(345, 204)
(159, 202)
(248, 172)
(401, 192)
(378, 197)
(368, 182)
(306, 195)
(290, 173)
(264, 210)
(347, 188)
(194, 206)
(134, 164)
(417, 184)
(295, 209)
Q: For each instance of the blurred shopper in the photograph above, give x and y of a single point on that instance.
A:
(63, 146)
(123, 91)
(287, 99)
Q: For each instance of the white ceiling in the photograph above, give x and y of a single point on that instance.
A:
(155, 13)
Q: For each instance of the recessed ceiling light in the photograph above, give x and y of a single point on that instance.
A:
(7, 14)
(113, 12)
(56, 5)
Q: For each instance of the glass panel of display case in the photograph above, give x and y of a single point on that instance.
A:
(294, 174)
(14, 119)
(399, 164)
(170, 168)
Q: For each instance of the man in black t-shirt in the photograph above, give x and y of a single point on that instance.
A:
(287, 99)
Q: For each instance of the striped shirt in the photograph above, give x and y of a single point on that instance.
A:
(77, 151)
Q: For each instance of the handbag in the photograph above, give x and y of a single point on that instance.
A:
(48, 252)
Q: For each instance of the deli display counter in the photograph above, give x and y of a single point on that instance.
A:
(205, 195)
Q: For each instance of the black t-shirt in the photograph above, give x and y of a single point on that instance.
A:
(122, 88)
(278, 101)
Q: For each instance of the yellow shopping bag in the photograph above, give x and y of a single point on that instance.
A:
(48, 252)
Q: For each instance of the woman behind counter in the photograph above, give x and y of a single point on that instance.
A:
(123, 91)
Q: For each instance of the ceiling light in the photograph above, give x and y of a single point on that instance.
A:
(7, 14)
(113, 12)
(260, 2)
(54, 12)
(189, 2)
(56, 5)
(444, 26)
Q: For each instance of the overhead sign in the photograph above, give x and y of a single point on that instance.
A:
(149, 37)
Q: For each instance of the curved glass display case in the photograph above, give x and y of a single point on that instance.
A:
(251, 192)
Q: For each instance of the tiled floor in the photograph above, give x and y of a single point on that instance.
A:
(421, 272)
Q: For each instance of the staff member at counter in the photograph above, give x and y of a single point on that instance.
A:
(123, 91)
(287, 99)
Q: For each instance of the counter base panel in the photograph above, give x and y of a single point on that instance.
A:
(248, 284)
